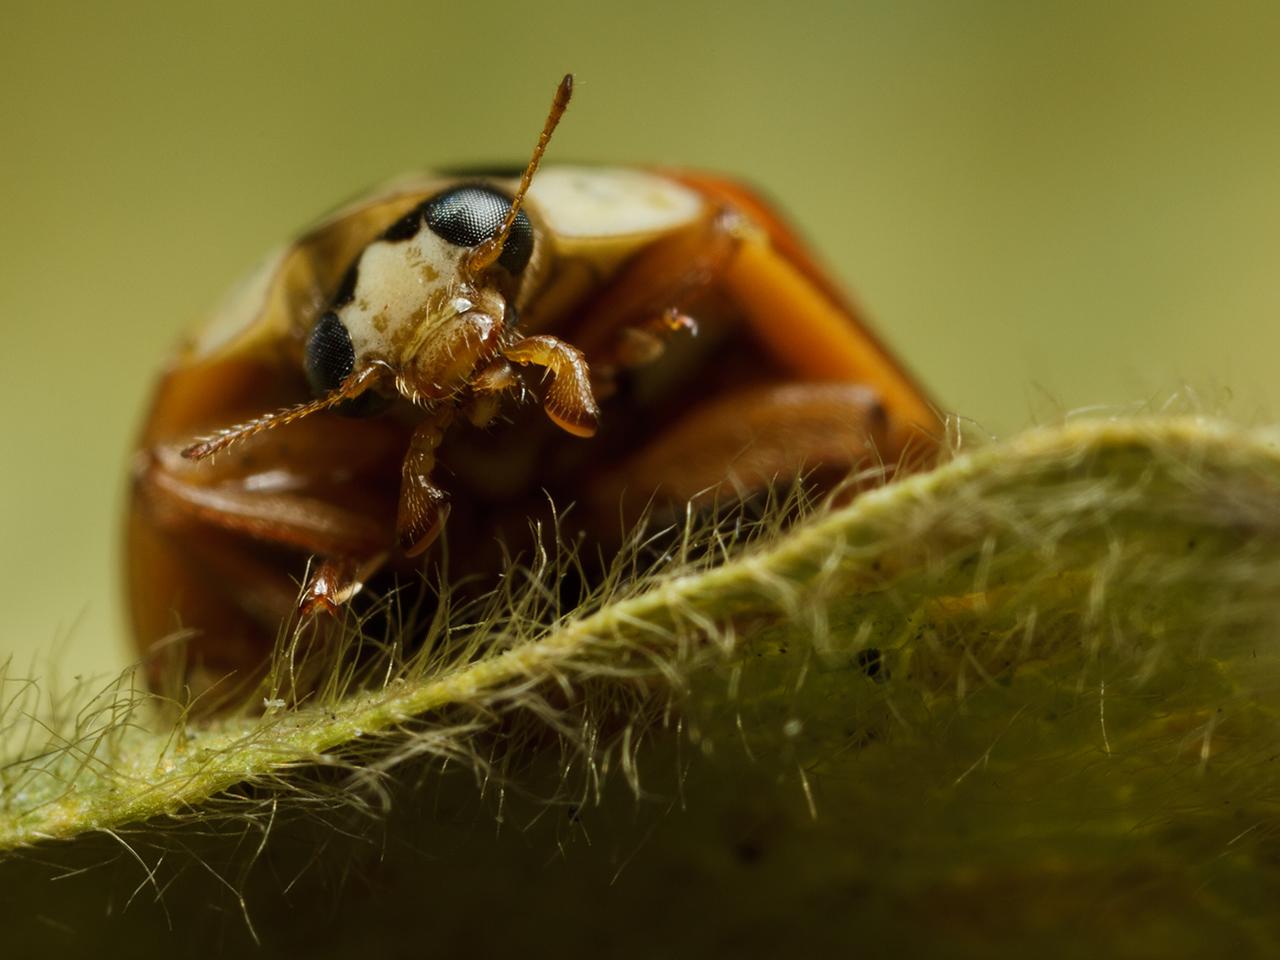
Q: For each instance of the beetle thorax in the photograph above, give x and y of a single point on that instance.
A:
(413, 309)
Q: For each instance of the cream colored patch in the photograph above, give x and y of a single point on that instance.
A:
(398, 287)
(240, 309)
(602, 202)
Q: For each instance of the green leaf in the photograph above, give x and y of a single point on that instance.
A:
(1023, 701)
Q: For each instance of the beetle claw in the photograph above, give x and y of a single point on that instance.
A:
(333, 585)
(420, 531)
(313, 605)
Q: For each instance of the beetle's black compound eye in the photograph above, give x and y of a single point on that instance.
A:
(468, 216)
(330, 357)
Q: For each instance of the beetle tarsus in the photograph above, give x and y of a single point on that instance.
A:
(570, 401)
(334, 583)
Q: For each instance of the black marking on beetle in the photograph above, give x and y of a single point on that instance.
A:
(346, 291)
(466, 216)
(407, 226)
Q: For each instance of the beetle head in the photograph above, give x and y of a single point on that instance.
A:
(421, 308)
(413, 302)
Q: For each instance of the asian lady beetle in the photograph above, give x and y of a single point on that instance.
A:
(364, 386)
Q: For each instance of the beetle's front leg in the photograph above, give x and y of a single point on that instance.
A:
(423, 505)
(195, 526)
(570, 402)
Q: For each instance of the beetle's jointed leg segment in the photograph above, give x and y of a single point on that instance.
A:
(350, 540)
(335, 581)
(423, 505)
(286, 518)
(644, 342)
(570, 402)
(798, 322)
(637, 345)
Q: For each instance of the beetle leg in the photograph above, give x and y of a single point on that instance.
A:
(637, 345)
(423, 505)
(335, 581)
(658, 283)
(753, 262)
(776, 282)
(644, 342)
(741, 443)
(354, 540)
(291, 519)
(569, 402)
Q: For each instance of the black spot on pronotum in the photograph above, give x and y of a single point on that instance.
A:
(406, 226)
(346, 291)
(468, 216)
(871, 663)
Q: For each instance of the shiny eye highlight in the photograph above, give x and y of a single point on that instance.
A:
(468, 216)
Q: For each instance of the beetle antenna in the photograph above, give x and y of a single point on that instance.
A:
(206, 447)
(484, 255)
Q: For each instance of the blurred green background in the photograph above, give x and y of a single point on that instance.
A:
(1044, 206)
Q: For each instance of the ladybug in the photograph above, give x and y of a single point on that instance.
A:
(369, 383)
